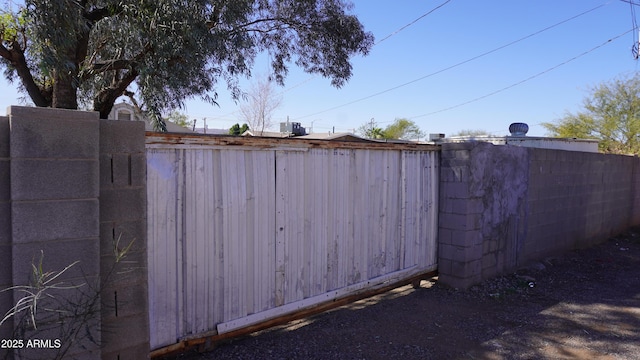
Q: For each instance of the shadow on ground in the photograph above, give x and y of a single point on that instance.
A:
(583, 305)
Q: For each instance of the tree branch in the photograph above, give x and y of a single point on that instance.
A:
(92, 16)
(105, 99)
(98, 14)
(15, 56)
(280, 23)
(116, 64)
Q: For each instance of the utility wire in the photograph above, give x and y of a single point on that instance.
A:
(525, 80)
(457, 64)
(633, 3)
(413, 22)
(376, 43)
(635, 49)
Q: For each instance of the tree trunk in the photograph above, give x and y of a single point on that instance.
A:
(103, 106)
(104, 100)
(65, 79)
(65, 92)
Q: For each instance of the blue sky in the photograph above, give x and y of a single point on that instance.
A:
(534, 80)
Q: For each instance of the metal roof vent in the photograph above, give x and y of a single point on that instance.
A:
(518, 129)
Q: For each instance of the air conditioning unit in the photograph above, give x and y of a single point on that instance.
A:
(293, 128)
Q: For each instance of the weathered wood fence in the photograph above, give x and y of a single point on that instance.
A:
(242, 230)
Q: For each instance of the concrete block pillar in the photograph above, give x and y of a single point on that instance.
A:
(123, 208)
(73, 193)
(6, 269)
(54, 190)
(635, 190)
(483, 196)
(460, 233)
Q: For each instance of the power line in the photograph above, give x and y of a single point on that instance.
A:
(457, 64)
(635, 49)
(413, 22)
(377, 42)
(525, 80)
(633, 3)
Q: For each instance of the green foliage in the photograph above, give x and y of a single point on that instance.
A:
(371, 130)
(238, 130)
(53, 306)
(403, 129)
(469, 132)
(400, 129)
(611, 115)
(119, 253)
(90, 53)
(376, 133)
(41, 284)
(9, 25)
(178, 118)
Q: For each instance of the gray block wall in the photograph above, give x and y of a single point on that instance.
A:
(578, 199)
(6, 271)
(502, 207)
(54, 219)
(483, 194)
(125, 315)
(635, 211)
(57, 197)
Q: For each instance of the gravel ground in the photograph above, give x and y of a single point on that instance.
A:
(582, 305)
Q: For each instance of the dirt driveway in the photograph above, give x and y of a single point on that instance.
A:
(582, 305)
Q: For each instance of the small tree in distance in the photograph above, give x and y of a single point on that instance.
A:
(238, 130)
(403, 129)
(179, 118)
(371, 130)
(400, 129)
(469, 132)
(611, 115)
(262, 100)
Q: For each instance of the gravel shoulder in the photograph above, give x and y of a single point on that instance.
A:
(582, 305)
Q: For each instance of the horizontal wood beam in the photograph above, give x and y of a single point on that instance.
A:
(207, 341)
(157, 140)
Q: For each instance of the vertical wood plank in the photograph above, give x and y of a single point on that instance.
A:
(240, 231)
(281, 185)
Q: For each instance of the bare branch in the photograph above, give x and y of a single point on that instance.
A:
(263, 101)
(280, 24)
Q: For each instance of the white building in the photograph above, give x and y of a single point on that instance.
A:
(518, 138)
(126, 112)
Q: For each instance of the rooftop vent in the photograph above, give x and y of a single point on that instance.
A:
(518, 129)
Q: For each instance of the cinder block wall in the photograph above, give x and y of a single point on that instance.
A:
(54, 218)
(577, 199)
(483, 194)
(635, 217)
(123, 208)
(502, 207)
(6, 271)
(69, 183)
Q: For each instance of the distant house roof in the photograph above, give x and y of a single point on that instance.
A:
(270, 134)
(314, 136)
(126, 112)
(212, 131)
(334, 136)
